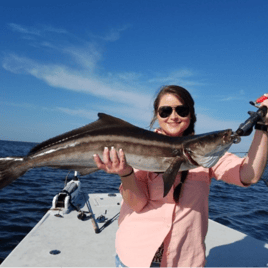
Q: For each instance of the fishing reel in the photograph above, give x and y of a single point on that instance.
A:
(246, 128)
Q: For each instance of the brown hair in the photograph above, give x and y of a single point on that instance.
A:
(185, 97)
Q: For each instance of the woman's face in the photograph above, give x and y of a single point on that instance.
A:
(173, 125)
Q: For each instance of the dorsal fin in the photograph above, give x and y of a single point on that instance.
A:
(104, 121)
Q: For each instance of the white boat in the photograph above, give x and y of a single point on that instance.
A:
(61, 239)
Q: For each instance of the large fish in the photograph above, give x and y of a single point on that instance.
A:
(145, 150)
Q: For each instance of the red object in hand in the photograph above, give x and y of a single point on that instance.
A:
(261, 99)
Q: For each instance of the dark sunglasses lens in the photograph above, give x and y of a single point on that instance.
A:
(165, 111)
(182, 111)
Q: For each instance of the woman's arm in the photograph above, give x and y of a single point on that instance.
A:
(132, 194)
(254, 165)
(116, 163)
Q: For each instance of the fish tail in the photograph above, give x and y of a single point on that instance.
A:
(11, 168)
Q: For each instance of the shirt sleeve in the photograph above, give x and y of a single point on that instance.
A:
(228, 169)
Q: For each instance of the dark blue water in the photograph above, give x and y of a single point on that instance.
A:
(24, 202)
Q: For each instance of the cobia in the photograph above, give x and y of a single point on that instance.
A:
(145, 150)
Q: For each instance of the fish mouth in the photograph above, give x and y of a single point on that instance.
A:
(231, 137)
(235, 138)
(227, 137)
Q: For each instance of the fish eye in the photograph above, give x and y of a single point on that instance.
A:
(188, 150)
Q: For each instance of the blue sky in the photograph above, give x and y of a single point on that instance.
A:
(62, 62)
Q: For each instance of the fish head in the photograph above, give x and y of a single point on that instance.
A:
(206, 149)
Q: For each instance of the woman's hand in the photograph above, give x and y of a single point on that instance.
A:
(113, 162)
(265, 103)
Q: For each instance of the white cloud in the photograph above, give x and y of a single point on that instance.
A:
(129, 88)
(82, 76)
(54, 30)
(131, 91)
(60, 76)
(23, 30)
(86, 56)
(139, 117)
(126, 76)
(78, 112)
(183, 77)
(17, 65)
(113, 35)
(238, 96)
(35, 31)
(19, 105)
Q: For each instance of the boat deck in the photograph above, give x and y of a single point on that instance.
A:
(74, 243)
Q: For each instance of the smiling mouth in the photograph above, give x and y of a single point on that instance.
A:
(174, 123)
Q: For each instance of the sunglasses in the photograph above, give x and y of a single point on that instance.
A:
(166, 111)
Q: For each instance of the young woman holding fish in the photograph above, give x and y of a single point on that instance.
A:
(170, 231)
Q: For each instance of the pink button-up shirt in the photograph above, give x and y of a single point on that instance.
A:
(182, 227)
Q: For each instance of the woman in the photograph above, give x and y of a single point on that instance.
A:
(171, 230)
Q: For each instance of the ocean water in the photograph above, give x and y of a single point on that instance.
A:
(24, 202)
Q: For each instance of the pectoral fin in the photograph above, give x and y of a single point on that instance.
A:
(170, 174)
